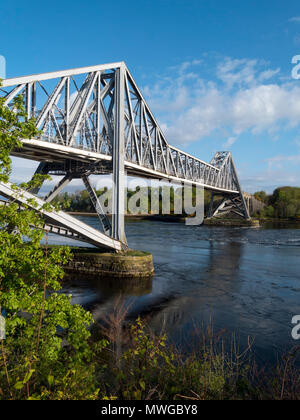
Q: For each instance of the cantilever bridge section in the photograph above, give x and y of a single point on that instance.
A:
(95, 120)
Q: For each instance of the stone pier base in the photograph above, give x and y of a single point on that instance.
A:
(129, 264)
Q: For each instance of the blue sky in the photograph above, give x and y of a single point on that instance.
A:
(216, 74)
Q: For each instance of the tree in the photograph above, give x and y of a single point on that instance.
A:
(286, 202)
(46, 353)
(268, 211)
(261, 196)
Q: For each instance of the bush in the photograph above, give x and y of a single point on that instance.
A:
(46, 353)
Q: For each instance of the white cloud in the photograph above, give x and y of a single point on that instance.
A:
(295, 19)
(237, 72)
(241, 99)
(230, 142)
(279, 160)
(262, 107)
(243, 72)
(270, 179)
(181, 68)
(268, 74)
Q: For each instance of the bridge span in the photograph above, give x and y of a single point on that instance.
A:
(95, 120)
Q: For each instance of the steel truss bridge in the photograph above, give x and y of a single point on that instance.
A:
(94, 120)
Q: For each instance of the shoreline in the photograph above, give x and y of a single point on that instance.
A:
(157, 217)
(207, 222)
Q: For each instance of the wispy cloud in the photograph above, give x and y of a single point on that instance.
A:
(295, 19)
(237, 72)
(230, 142)
(280, 160)
(270, 179)
(240, 96)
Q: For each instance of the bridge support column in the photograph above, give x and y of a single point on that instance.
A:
(97, 206)
(228, 179)
(118, 202)
(211, 206)
(244, 206)
(235, 204)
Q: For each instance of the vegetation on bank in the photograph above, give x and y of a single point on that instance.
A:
(140, 365)
(284, 203)
(46, 353)
(51, 350)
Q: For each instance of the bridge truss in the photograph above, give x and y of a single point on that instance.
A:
(94, 120)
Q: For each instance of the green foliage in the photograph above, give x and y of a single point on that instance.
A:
(46, 354)
(261, 196)
(143, 363)
(13, 127)
(268, 212)
(145, 366)
(150, 368)
(284, 203)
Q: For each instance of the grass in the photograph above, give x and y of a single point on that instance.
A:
(90, 251)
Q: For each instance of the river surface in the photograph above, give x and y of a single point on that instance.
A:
(247, 280)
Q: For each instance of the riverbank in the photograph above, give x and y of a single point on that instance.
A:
(231, 222)
(216, 221)
(170, 218)
(285, 222)
(139, 365)
(155, 217)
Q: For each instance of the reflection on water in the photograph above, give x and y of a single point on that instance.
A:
(246, 279)
(111, 288)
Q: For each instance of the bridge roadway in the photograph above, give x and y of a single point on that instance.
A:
(41, 150)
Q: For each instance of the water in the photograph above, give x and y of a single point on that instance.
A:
(246, 279)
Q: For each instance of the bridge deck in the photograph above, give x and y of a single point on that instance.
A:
(41, 150)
